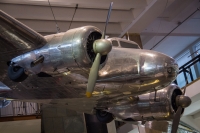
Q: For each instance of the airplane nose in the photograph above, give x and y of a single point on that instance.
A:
(171, 68)
(157, 64)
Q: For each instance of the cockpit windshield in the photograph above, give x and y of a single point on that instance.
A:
(128, 45)
(115, 43)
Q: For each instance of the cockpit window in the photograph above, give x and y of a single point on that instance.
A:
(129, 45)
(115, 43)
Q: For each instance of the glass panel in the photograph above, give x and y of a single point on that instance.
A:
(128, 45)
(115, 43)
(197, 65)
(197, 48)
(181, 60)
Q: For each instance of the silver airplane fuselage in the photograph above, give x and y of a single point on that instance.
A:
(82, 70)
(132, 70)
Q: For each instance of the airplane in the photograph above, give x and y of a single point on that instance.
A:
(112, 78)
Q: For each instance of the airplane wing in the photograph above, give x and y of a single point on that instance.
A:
(16, 38)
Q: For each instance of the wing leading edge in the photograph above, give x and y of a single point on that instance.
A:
(17, 38)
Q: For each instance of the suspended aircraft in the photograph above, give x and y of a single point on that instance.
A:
(79, 69)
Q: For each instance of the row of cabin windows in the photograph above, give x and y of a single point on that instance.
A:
(124, 44)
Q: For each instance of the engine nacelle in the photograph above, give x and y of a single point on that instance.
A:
(68, 50)
(160, 105)
(4, 103)
(82, 47)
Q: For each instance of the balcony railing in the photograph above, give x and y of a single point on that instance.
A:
(187, 71)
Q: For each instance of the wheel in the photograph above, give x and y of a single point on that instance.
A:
(16, 73)
(103, 116)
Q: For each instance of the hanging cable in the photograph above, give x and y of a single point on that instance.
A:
(160, 22)
(175, 28)
(58, 29)
(73, 16)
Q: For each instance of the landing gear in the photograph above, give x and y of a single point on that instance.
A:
(16, 73)
(103, 116)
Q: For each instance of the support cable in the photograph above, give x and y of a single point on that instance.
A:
(58, 29)
(73, 16)
(175, 28)
(160, 22)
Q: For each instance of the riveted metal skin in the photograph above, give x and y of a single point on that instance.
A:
(133, 70)
(147, 107)
(15, 37)
(67, 51)
(62, 52)
(138, 70)
(132, 83)
(124, 72)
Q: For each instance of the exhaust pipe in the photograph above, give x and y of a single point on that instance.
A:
(37, 61)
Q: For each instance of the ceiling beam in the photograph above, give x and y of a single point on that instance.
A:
(172, 12)
(49, 26)
(172, 34)
(103, 4)
(138, 18)
(64, 13)
(151, 11)
(144, 17)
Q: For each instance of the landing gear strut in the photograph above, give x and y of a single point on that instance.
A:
(16, 73)
(103, 116)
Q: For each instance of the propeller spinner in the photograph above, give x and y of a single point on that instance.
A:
(101, 47)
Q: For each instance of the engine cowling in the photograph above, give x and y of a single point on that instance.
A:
(4, 103)
(160, 105)
(82, 46)
(72, 49)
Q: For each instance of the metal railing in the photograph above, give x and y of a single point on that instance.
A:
(20, 108)
(186, 69)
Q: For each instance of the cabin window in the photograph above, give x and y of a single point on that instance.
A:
(115, 43)
(129, 45)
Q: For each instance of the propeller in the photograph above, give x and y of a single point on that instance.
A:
(100, 47)
(182, 101)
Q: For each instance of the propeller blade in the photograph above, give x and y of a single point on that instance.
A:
(101, 47)
(93, 75)
(176, 120)
(107, 20)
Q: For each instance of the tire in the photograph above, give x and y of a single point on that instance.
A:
(103, 116)
(16, 73)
